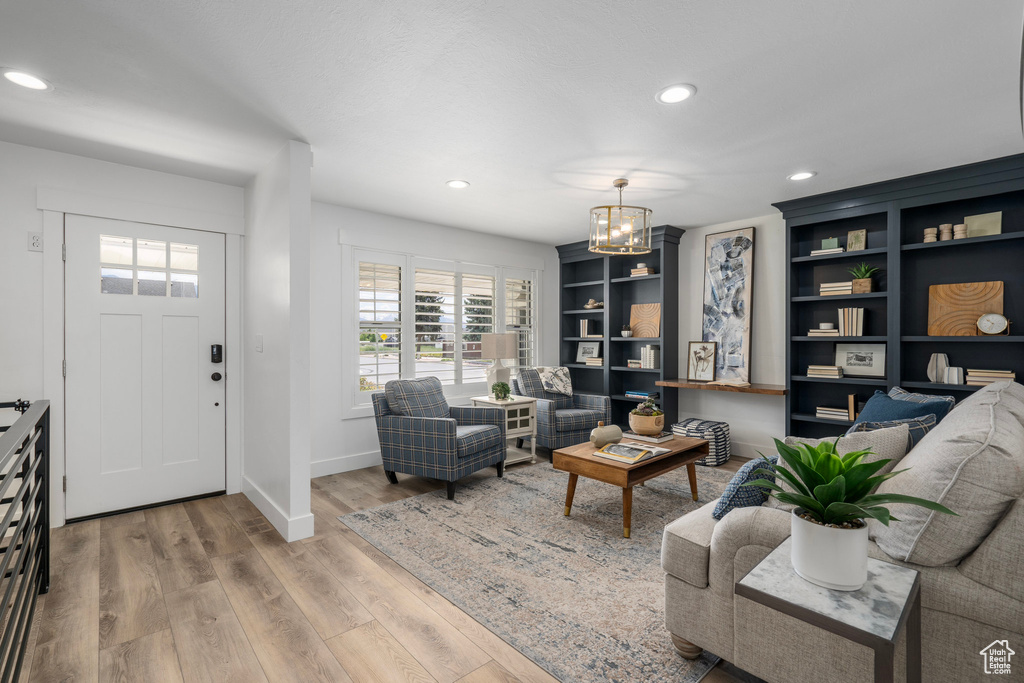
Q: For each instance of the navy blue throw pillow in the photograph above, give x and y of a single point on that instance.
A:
(882, 408)
(738, 496)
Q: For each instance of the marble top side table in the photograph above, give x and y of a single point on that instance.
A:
(871, 616)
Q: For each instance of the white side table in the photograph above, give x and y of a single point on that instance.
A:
(520, 420)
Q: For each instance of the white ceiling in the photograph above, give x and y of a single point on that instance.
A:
(540, 104)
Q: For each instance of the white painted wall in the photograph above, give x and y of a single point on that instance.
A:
(753, 419)
(28, 171)
(344, 441)
(276, 310)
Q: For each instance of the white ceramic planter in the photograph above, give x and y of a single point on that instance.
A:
(833, 558)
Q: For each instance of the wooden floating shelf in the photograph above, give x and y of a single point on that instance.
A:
(588, 283)
(939, 387)
(802, 417)
(635, 279)
(841, 339)
(869, 381)
(834, 257)
(964, 242)
(840, 297)
(764, 389)
(585, 311)
(978, 338)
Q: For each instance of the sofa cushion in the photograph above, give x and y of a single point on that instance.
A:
(416, 397)
(973, 463)
(470, 439)
(736, 495)
(919, 426)
(530, 385)
(574, 419)
(686, 545)
(881, 408)
(901, 394)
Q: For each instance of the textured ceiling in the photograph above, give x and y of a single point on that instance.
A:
(539, 104)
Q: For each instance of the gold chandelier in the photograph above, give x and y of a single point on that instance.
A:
(620, 229)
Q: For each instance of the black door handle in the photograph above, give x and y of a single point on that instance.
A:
(216, 377)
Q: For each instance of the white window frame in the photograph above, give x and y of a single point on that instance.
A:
(359, 403)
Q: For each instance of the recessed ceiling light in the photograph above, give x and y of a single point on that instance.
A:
(457, 184)
(26, 80)
(675, 93)
(802, 175)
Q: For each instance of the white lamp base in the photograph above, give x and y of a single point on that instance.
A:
(498, 373)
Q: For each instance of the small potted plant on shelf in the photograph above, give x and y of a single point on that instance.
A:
(834, 495)
(501, 390)
(647, 419)
(862, 273)
(627, 331)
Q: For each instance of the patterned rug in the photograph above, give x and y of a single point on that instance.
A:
(570, 593)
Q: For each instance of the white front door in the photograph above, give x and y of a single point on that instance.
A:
(144, 410)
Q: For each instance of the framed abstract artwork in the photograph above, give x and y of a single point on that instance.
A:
(728, 290)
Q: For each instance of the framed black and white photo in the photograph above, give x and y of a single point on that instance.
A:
(588, 350)
(861, 360)
(700, 361)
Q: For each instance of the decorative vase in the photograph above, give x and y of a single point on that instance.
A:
(627, 333)
(937, 367)
(829, 557)
(601, 436)
(648, 425)
(862, 285)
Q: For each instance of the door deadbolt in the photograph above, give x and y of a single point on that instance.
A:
(216, 377)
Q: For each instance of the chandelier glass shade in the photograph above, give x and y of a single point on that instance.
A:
(620, 229)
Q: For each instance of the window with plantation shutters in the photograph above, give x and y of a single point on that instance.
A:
(380, 324)
(519, 317)
(452, 311)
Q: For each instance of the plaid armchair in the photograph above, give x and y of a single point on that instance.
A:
(420, 434)
(562, 420)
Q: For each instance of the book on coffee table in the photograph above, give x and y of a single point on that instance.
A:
(629, 453)
(660, 438)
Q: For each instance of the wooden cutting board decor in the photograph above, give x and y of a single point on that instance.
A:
(953, 310)
(645, 320)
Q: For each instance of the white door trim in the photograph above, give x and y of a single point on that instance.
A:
(53, 355)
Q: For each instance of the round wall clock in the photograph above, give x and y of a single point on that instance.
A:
(993, 323)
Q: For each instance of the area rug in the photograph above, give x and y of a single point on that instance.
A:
(570, 593)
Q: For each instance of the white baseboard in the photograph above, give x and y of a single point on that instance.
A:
(750, 450)
(291, 529)
(345, 463)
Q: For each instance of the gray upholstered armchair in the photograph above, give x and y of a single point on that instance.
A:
(562, 420)
(420, 434)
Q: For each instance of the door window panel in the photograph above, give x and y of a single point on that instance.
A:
(184, 256)
(151, 254)
(116, 250)
(116, 281)
(152, 283)
(151, 264)
(185, 285)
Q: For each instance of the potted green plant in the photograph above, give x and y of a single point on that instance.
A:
(501, 390)
(862, 273)
(647, 419)
(834, 495)
(627, 331)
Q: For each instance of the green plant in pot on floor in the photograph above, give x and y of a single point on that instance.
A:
(835, 496)
(647, 419)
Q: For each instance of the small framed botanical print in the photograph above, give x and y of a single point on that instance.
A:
(700, 361)
(856, 240)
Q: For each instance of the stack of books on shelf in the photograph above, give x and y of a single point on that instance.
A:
(633, 363)
(585, 331)
(650, 357)
(823, 333)
(980, 378)
(822, 252)
(835, 288)
(640, 272)
(594, 361)
(851, 322)
(642, 395)
(832, 413)
(833, 371)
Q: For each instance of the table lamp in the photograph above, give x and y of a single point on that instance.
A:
(498, 347)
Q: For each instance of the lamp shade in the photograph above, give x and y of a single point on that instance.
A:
(496, 346)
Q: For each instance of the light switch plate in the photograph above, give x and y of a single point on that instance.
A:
(35, 241)
(259, 343)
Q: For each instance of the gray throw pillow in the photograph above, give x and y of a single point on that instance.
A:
(556, 380)
(919, 426)
(417, 397)
(973, 463)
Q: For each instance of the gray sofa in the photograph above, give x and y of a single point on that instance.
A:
(972, 566)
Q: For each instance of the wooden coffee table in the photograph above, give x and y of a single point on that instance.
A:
(580, 460)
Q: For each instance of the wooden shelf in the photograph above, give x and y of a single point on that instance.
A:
(633, 339)
(585, 311)
(994, 338)
(588, 283)
(838, 297)
(867, 381)
(802, 417)
(765, 389)
(938, 387)
(637, 278)
(835, 257)
(840, 339)
(965, 242)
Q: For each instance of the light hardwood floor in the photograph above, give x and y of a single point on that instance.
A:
(208, 591)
